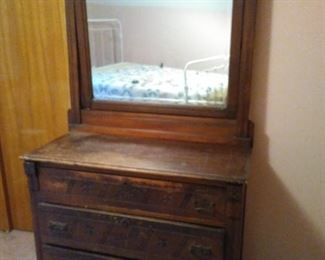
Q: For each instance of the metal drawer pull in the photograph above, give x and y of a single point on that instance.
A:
(204, 206)
(56, 226)
(199, 250)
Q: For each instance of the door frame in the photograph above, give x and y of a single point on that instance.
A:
(5, 224)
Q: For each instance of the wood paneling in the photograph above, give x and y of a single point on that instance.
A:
(34, 88)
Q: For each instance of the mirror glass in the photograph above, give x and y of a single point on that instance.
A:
(172, 52)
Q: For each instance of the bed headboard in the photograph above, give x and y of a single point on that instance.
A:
(106, 41)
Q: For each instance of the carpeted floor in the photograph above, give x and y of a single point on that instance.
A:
(17, 245)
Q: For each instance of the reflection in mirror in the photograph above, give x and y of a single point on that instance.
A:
(160, 51)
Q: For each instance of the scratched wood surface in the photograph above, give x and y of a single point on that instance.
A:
(128, 236)
(176, 201)
(164, 159)
(34, 88)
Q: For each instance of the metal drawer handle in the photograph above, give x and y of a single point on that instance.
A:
(200, 251)
(56, 226)
(204, 206)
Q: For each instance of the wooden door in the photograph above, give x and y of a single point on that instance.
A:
(4, 214)
(34, 91)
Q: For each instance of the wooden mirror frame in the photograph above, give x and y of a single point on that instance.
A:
(185, 123)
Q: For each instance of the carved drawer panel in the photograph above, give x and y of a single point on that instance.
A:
(59, 253)
(127, 236)
(153, 198)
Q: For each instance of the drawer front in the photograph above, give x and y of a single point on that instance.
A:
(59, 253)
(126, 236)
(163, 199)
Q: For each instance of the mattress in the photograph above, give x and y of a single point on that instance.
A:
(154, 84)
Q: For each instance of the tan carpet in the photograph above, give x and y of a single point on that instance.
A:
(17, 245)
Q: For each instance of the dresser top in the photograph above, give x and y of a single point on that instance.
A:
(156, 158)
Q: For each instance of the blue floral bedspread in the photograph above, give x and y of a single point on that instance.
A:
(148, 83)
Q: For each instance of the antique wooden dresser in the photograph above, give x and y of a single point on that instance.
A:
(110, 196)
(136, 180)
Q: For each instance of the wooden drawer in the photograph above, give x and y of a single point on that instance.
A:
(200, 204)
(127, 236)
(59, 253)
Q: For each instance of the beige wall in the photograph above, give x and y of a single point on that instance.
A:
(286, 195)
(173, 36)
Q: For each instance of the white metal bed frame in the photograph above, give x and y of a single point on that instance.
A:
(101, 30)
(223, 66)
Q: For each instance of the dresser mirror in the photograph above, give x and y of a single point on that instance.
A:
(160, 52)
(165, 69)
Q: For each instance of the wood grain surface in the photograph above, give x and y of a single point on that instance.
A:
(128, 236)
(4, 213)
(144, 157)
(34, 88)
(59, 253)
(175, 201)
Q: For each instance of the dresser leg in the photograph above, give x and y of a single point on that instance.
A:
(31, 172)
